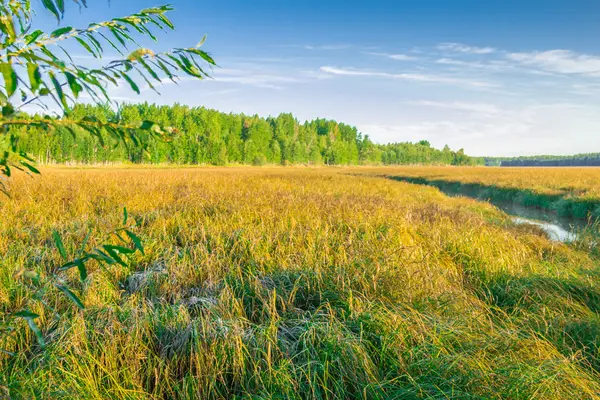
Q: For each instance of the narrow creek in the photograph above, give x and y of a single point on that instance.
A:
(561, 229)
(558, 228)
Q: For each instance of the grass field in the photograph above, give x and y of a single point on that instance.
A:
(572, 192)
(297, 283)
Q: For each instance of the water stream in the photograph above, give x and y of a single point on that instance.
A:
(558, 228)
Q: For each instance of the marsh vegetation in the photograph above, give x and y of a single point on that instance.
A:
(296, 283)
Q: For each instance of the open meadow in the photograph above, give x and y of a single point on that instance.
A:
(296, 283)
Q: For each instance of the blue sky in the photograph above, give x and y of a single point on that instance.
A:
(493, 77)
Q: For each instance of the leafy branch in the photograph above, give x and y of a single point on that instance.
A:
(36, 69)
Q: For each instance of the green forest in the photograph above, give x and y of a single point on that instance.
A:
(580, 160)
(210, 137)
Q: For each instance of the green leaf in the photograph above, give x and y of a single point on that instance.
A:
(201, 43)
(71, 296)
(59, 91)
(102, 257)
(150, 70)
(114, 255)
(10, 78)
(86, 46)
(25, 314)
(133, 85)
(95, 42)
(61, 31)
(59, 244)
(36, 331)
(82, 269)
(205, 56)
(35, 77)
(50, 6)
(61, 5)
(67, 266)
(76, 88)
(166, 21)
(165, 69)
(32, 37)
(136, 241)
(8, 28)
(125, 216)
(30, 167)
(118, 249)
(149, 126)
(8, 110)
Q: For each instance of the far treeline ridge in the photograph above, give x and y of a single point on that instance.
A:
(210, 137)
(578, 160)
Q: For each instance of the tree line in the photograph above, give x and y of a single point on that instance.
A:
(205, 136)
(578, 160)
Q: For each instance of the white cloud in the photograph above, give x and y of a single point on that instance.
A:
(166, 81)
(463, 48)
(326, 47)
(585, 89)
(254, 78)
(554, 128)
(560, 61)
(104, 58)
(410, 77)
(396, 57)
(478, 108)
(493, 65)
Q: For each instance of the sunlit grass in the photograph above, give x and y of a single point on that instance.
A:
(581, 182)
(571, 192)
(295, 283)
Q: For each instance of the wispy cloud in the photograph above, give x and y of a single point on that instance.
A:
(407, 76)
(90, 57)
(463, 48)
(328, 47)
(397, 57)
(478, 108)
(560, 61)
(493, 65)
(251, 77)
(166, 82)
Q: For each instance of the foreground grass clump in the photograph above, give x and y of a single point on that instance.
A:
(571, 192)
(295, 283)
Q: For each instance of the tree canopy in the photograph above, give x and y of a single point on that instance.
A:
(210, 137)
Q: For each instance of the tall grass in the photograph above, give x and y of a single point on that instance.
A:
(295, 283)
(571, 192)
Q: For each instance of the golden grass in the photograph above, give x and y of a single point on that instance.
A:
(580, 182)
(295, 283)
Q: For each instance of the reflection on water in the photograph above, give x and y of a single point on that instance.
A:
(534, 213)
(555, 232)
(558, 228)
